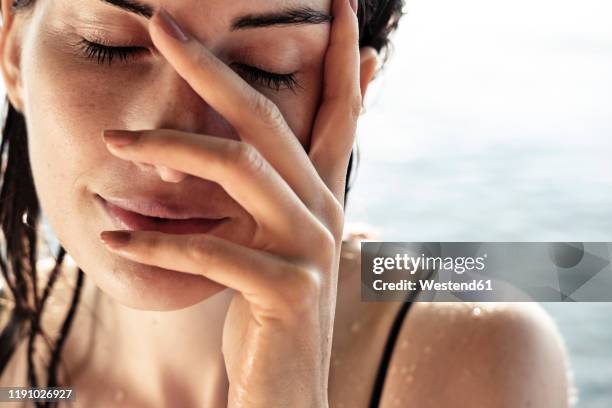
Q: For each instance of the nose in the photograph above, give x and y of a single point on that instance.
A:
(177, 106)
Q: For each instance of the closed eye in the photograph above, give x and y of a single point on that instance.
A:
(268, 79)
(102, 53)
(107, 54)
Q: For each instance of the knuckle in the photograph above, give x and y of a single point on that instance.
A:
(299, 293)
(199, 250)
(303, 290)
(332, 216)
(248, 158)
(266, 111)
(325, 243)
(329, 240)
(261, 238)
(317, 238)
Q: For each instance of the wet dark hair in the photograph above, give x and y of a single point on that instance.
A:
(20, 215)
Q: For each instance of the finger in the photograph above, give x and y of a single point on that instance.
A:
(238, 167)
(264, 279)
(336, 121)
(257, 119)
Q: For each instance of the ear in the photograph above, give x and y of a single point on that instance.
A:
(10, 55)
(370, 60)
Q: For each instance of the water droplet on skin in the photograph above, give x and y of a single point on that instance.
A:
(476, 312)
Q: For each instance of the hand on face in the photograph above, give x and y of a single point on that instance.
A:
(281, 317)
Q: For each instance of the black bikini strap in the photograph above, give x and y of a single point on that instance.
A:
(388, 351)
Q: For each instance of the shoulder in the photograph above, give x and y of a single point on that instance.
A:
(482, 354)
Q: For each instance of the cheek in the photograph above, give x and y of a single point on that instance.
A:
(63, 144)
(66, 110)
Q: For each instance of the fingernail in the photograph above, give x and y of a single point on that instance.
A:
(353, 5)
(171, 27)
(120, 138)
(115, 239)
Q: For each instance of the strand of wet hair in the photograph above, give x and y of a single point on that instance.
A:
(35, 328)
(57, 352)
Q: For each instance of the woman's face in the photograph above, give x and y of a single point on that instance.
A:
(70, 97)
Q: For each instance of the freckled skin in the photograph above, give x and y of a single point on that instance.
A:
(69, 100)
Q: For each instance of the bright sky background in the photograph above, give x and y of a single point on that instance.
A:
(480, 70)
(492, 120)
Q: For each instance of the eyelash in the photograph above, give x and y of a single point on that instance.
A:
(104, 53)
(270, 80)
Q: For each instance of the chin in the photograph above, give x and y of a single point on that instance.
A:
(146, 287)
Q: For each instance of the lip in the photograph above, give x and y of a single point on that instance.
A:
(153, 215)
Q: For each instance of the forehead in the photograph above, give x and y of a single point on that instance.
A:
(210, 20)
(220, 11)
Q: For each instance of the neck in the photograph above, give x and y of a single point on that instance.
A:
(157, 358)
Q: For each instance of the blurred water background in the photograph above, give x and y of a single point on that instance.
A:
(493, 122)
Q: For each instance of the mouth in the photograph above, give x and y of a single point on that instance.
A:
(134, 221)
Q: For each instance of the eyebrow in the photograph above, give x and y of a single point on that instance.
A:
(297, 16)
(133, 6)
